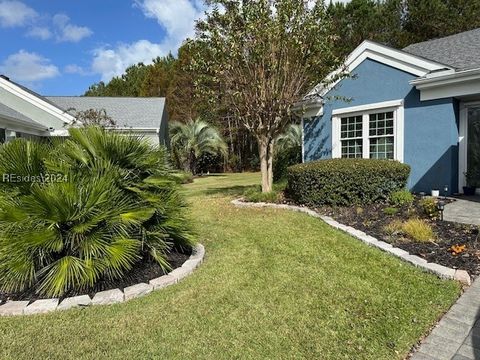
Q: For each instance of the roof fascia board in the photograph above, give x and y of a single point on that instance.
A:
(462, 83)
(36, 101)
(441, 80)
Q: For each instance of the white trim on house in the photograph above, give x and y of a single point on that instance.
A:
(368, 107)
(463, 142)
(20, 123)
(126, 129)
(448, 84)
(36, 101)
(462, 146)
(383, 54)
(17, 126)
(60, 132)
(396, 106)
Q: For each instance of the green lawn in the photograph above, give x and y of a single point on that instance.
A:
(275, 285)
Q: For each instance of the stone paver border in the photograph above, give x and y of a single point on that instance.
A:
(440, 270)
(456, 336)
(109, 296)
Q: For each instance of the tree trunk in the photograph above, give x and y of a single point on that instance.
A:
(270, 164)
(264, 149)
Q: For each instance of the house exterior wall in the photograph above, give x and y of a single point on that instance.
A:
(430, 127)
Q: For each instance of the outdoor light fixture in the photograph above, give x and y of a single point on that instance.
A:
(441, 207)
(445, 191)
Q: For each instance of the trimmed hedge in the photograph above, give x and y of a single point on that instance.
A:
(344, 182)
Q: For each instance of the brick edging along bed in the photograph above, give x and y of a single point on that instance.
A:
(440, 270)
(109, 296)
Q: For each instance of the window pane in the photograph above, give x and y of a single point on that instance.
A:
(381, 148)
(351, 127)
(381, 124)
(352, 148)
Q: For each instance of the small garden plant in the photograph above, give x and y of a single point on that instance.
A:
(401, 198)
(418, 230)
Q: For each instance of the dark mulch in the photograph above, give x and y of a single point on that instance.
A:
(142, 272)
(372, 220)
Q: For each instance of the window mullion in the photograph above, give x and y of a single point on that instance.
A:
(365, 137)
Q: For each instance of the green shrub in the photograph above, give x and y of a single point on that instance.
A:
(345, 182)
(111, 203)
(390, 211)
(418, 230)
(256, 195)
(283, 159)
(429, 206)
(401, 198)
(183, 177)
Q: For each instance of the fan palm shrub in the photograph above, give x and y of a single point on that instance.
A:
(192, 140)
(115, 204)
(288, 151)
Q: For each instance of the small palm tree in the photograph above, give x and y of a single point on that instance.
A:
(288, 151)
(291, 138)
(116, 203)
(191, 140)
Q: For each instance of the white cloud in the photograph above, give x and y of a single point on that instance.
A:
(75, 69)
(40, 32)
(66, 31)
(177, 17)
(15, 13)
(110, 62)
(28, 67)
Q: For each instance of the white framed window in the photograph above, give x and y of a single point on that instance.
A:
(373, 131)
(351, 136)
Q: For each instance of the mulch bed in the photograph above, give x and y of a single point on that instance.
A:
(372, 220)
(142, 272)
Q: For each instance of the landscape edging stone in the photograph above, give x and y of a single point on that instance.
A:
(11, 308)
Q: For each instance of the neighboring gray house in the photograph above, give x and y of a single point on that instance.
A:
(24, 113)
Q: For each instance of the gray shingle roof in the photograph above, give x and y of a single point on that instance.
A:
(9, 113)
(460, 51)
(139, 113)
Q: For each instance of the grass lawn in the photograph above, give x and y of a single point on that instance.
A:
(275, 285)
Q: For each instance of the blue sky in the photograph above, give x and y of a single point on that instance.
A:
(60, 47)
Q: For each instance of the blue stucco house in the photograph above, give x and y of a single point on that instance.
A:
(419, 105)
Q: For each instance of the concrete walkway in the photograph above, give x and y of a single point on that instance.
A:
(462, 211)
(457, 335)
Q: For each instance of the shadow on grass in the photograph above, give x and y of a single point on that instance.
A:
(236, 190)
(209, 175)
